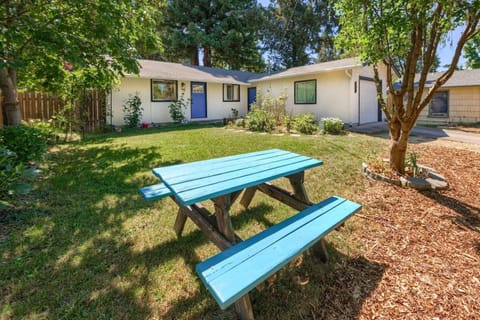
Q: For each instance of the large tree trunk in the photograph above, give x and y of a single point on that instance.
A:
(398, 146)
(10, 105)
(207, 59)
(195, 60)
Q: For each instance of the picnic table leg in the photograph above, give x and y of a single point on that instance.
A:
(247, 197)
(180, 222)
(243, 307)
(297, 182)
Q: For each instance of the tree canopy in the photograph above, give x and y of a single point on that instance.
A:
(39, 37)
(472, 52)
(401, 34)
(224, 33)
(299, 32)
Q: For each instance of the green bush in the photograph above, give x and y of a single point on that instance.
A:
(332, 125)
(305, 123)
(240, 123)
(133, 111)
(47, 128)
(176, 109)
(15, 178)
(29, 144)
(260, 120)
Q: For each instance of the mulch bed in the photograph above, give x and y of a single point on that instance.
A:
(428, 243)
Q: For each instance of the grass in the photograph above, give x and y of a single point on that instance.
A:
(86, 246)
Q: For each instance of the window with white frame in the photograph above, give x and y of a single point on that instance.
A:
(231, 92)
(164, 90)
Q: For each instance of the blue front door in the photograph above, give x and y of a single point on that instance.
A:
(199, 99)
(252, 97)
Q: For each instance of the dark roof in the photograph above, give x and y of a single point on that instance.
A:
(152, 69)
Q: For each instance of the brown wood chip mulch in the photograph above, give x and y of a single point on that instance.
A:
(420, 250)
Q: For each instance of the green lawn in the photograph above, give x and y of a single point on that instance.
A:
(86, 246)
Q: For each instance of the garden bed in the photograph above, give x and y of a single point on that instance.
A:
(425, 178)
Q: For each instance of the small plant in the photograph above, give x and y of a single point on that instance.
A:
(234, 113)
(133, 111)
(305, 123)
(240, 123)
(260, 120)
(177, 109)
(412, 163)
(15, 178)
(332, 125)
(288, 122)
(28, 144)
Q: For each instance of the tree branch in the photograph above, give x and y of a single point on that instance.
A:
(468, 33)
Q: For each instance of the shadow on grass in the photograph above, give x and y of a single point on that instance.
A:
(129, 132)
(304, 289)
(469, 216)
(67, 254)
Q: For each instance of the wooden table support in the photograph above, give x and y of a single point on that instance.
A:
(243, 306)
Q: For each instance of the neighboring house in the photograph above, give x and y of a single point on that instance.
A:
(457, 101)
(342, 88)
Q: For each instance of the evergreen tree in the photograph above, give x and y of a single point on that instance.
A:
(224, 33)
(298, 32)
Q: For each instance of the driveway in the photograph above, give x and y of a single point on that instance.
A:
(432, 133)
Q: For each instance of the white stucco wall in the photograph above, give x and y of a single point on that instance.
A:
(158, 112)
(333, 99)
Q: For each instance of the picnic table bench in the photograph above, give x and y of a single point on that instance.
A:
(242, 265)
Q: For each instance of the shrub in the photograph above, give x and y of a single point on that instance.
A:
(46, 128)
(133, 111)
(176, 109)
(260, 120)
(332, 125)
(28, 143)
(305, 123)
(240, 123)
(274, 106)
(14, 177)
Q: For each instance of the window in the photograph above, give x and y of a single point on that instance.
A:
(439, 105)
(231, 92)
(306, 92)
(164, 90)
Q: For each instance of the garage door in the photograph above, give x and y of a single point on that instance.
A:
(368, 102)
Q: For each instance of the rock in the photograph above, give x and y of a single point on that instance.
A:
(437, 184)
(419, 183)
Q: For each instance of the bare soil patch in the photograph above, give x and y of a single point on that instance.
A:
(429, 242)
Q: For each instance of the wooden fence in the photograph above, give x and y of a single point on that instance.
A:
(89, 110)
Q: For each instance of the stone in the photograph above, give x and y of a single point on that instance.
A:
(437, 184)
(436, 176)
(419, 183)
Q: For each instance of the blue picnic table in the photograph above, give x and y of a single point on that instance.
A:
(222, 180)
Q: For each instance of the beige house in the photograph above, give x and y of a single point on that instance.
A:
(457, 101)
(342, 88)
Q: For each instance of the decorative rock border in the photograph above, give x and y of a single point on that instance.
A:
(433, 180)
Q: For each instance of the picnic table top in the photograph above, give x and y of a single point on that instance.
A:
(202, 180)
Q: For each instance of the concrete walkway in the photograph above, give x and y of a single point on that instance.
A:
(432, 133)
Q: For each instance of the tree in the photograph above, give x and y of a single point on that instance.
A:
(472, 52)
(297, 32)
(39, 37)
(224, 33)
(399, 34)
